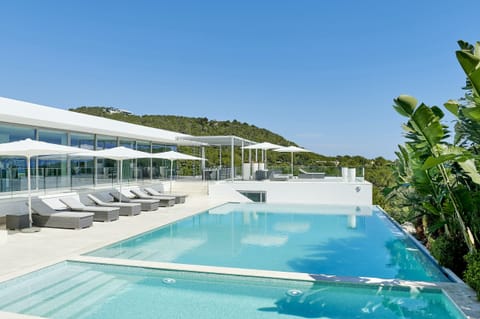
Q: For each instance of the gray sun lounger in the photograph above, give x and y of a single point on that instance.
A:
(105, 200)
(164, 201)
(45, 216)
(305, 174)
(147, 204)
(179, 198)
(102, 214)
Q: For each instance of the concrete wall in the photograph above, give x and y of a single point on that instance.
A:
(304, 191)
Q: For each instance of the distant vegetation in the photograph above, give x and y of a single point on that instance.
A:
(378, 170)
(437, 182)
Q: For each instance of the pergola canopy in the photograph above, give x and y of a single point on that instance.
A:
(219, 140)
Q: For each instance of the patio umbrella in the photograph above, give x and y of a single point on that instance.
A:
(29, 148)
(119, 154)
(172, 156)
(291, 150)
(263, 146)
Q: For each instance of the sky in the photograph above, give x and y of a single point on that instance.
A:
(321, 73)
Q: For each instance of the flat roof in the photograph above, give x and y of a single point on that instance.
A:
(221, 140)
(20, 112)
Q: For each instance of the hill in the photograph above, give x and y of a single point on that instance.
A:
(202, 126)
(189, 125)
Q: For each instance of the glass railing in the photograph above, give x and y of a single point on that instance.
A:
(15, 179)
(310, 171)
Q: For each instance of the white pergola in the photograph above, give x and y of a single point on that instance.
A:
(228, 140)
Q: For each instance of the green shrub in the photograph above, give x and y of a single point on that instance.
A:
(472, 274)
(450, 252)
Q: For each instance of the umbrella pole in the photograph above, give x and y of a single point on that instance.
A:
(266, 159)
(292, 161)
(121, 178)
(29, 193)
(171, 175)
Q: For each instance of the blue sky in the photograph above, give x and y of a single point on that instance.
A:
(321, 73)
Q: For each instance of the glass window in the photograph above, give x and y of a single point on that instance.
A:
(128, 168)
(86, 141)
(161, 167)
(143, 164)
(106, 168)
(12, 133)
(51, 171)
(13, 170)
(82, 168)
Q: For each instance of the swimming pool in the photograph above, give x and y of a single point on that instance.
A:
(90, 291)
(333, 240)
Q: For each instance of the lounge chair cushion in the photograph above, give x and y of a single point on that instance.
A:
(45, 216)
(126, 209)
(179, 198)
(147, 204)
(102, 214)
(164, 201)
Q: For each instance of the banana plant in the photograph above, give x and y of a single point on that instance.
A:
(426, 139)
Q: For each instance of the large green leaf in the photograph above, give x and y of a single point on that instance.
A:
(469, 167)
(427, 125)
(430, 208)
(470, 64)
(452, 106)
(472, 113)
(434, 161)
(437, 111)
(405, 105)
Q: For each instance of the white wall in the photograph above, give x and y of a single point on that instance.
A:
(305, 192)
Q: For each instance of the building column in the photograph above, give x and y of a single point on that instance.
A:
(95, 164)
(151, 162)
(219, 164)
(243, 144)
(69, 162)
(232, 159)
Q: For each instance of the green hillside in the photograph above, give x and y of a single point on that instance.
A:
(202, 126)
(190, 125)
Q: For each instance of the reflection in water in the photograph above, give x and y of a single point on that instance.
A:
(264, 240)
(349, 243)
(352, 221)
(409, 263)
(349, 302)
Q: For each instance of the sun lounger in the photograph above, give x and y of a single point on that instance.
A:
(305, 174)
(179, 198)
(164, 201)
(147, 204)
(102, 214)
(277, 176)
(45, 216)
(105, 200)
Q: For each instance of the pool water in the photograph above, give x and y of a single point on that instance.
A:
(332, 240)
(83, 290)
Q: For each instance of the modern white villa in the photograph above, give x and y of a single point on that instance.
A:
(239, 246)
(20, 120)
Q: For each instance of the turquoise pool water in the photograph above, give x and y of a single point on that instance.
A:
(89, 291)
(333, 240)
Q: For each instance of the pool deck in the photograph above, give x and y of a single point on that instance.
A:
(22, 253)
